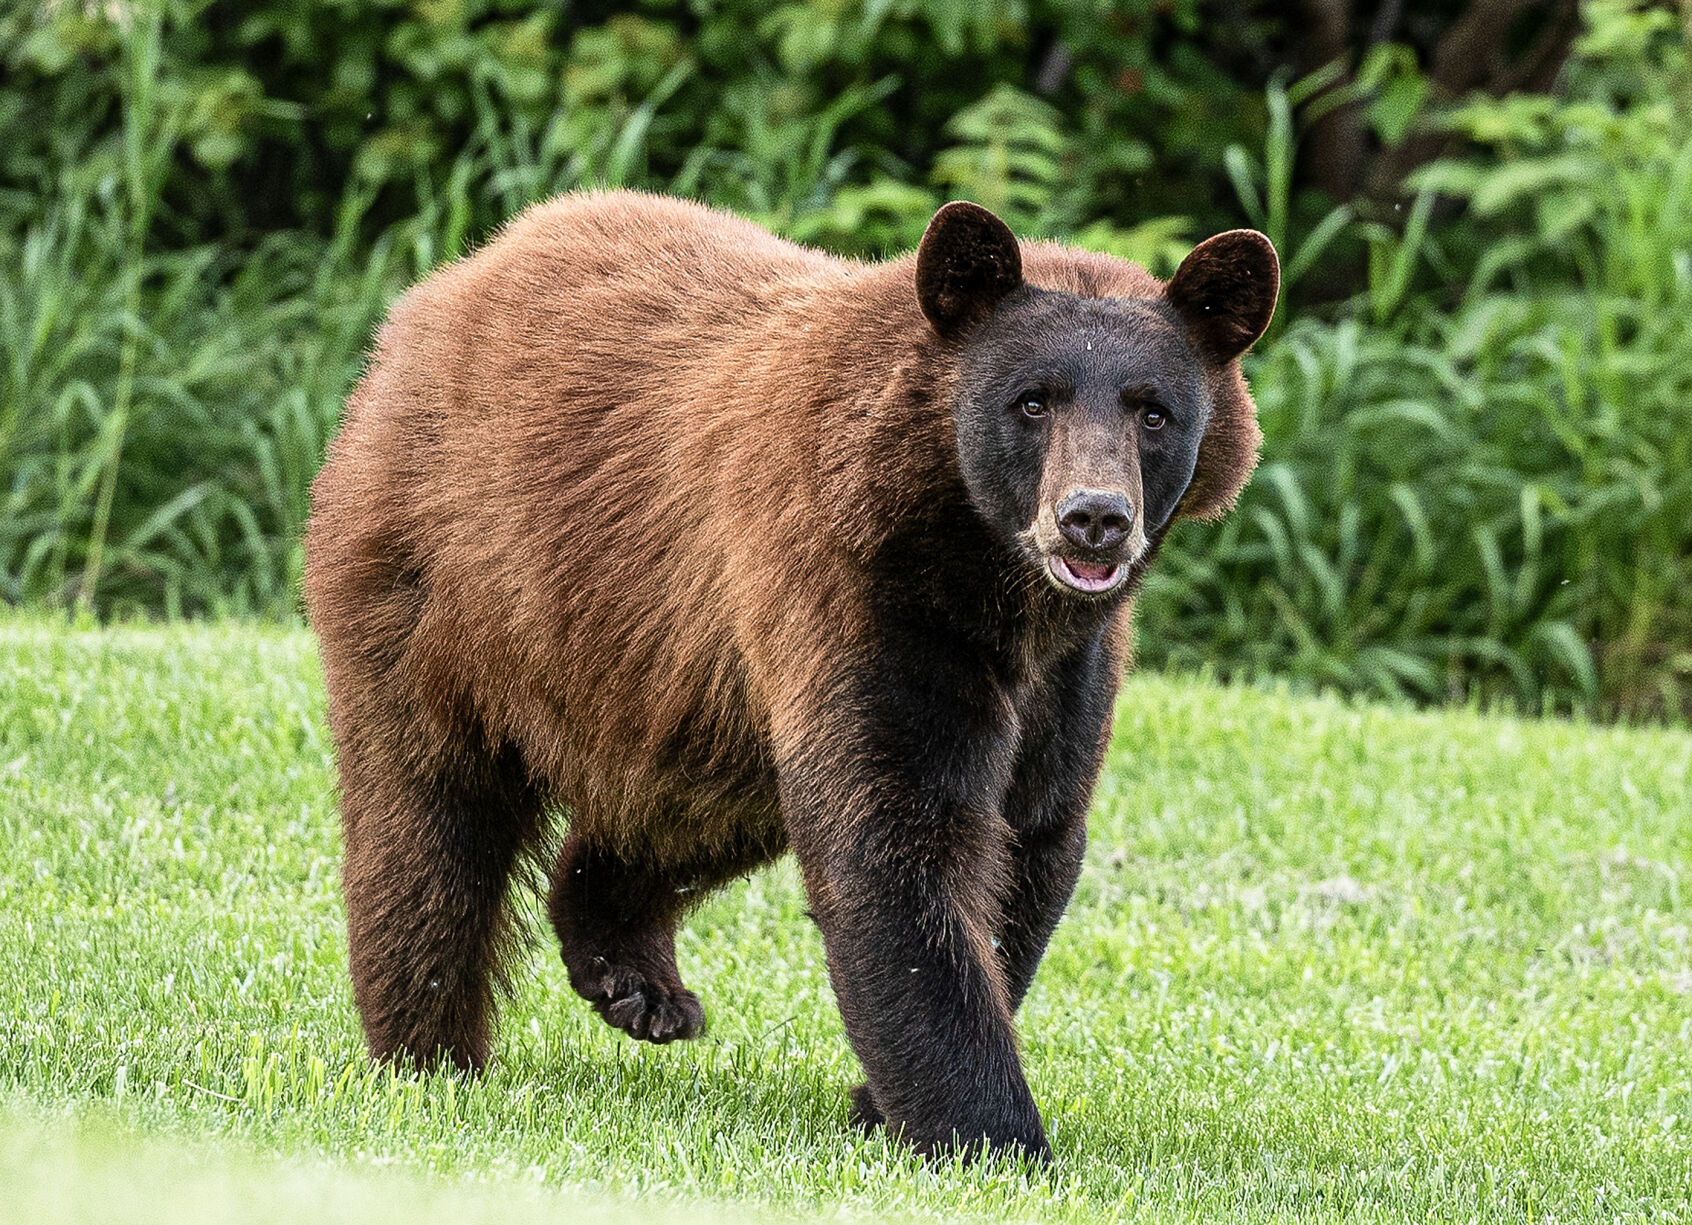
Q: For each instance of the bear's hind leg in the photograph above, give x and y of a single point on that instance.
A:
(427, 871)
(616, 924)
(616, 920)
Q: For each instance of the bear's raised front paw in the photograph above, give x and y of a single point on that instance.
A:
(641, 1008)
(863, 1113)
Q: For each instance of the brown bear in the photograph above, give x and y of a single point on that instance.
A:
(709, 546)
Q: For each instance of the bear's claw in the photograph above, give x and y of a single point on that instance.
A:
(643, 1009)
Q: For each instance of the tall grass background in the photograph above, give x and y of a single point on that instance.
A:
(1476, 480)
(1478, 477)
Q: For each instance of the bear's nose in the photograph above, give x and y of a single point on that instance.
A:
(1095, 518)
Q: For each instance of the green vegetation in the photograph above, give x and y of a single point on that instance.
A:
(1490, 482)
(92, 1171)
(1327, 961)
(1476, 477)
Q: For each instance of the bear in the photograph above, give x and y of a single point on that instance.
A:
(660, 546)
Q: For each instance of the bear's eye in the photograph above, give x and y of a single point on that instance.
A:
(1143, 403)
(1032, 404)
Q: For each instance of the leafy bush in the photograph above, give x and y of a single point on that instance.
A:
(1492, 495)
(491, 104)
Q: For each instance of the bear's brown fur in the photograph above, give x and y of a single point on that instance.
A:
(647, 518)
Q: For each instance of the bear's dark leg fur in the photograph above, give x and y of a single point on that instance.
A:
(1046, 808)
(893, 802)
(1062, 749)
(1046, 865)
(616, 922)
(427, 869)
(1044, 869)
(616, 925)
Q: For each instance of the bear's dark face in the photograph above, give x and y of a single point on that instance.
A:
(1079, 419)
(1078, 424)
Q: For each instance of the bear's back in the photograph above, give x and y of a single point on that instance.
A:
(621, 267)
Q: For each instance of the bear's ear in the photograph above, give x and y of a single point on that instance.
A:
(1226, 291)
(967, 262)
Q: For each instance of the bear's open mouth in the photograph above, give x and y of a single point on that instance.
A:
(1090, 577)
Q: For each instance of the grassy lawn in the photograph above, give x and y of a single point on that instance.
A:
(1327, 961)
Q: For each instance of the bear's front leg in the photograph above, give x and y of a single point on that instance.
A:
(891, 784)
(1064, 735)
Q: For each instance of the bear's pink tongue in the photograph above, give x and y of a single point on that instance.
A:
(1092, 573)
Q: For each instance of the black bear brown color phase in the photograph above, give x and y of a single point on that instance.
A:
(713, 546)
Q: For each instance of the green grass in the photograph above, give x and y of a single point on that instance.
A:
(96, 1172)
(1327, 961)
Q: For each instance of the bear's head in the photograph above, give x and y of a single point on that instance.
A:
(1079, 418)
